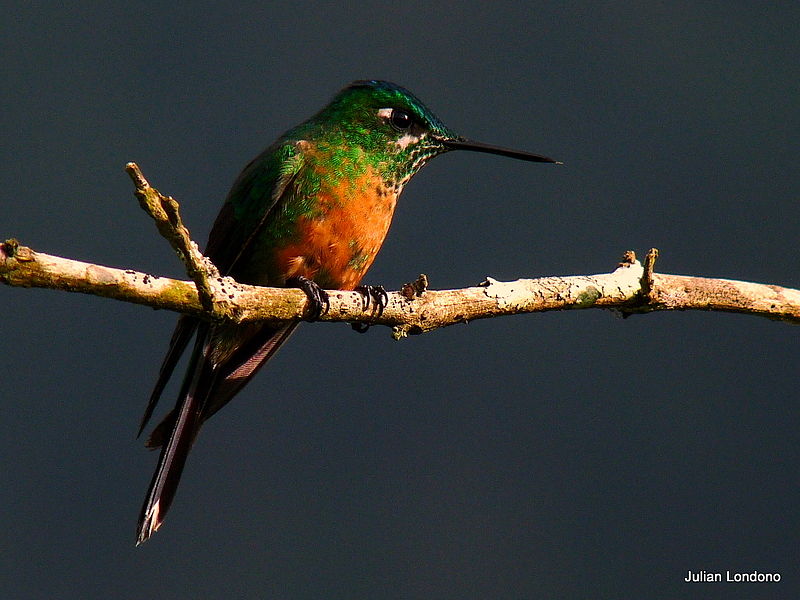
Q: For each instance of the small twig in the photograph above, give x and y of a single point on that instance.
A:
(647, 277)
(165, 212)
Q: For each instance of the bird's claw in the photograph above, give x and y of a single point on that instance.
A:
(318, 301)
(371, 294)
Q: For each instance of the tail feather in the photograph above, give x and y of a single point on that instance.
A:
(173, 454)
(205, 389)
(184, 331)
(158, 437)
(245, 363)
(251, 357)
(165, 481)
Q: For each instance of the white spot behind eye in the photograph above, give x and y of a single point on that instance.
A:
(406, 139)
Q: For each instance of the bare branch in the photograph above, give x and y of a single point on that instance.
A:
(415, 309)
(165, 212)
(630, 289)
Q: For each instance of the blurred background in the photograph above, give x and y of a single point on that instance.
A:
(558, 455)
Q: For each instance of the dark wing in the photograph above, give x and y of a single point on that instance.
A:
(271, 175)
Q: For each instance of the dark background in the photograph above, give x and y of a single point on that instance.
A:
(558, 455)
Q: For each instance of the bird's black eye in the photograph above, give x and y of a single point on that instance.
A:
(400, 119)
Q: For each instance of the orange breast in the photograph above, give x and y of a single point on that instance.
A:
(336, 246)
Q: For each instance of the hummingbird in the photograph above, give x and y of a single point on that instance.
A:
(311, 211)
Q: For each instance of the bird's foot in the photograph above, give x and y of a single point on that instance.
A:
(371, 294)
(318, 301)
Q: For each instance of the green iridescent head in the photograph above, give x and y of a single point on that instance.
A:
(394, 128)
(403, 111)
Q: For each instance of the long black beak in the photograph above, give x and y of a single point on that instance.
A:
(463, 144)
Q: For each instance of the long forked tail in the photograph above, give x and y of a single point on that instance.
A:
(185, 425)
(204, 391)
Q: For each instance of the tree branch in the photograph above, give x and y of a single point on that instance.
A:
(630, 288)
(165, 212)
